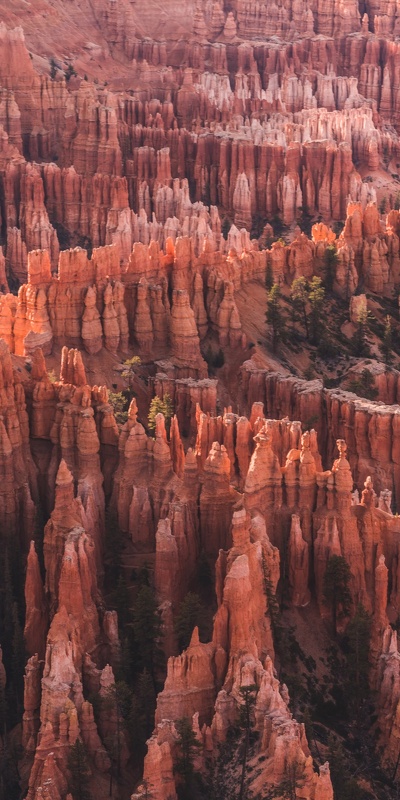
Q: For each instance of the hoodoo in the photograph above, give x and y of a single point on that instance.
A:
(199, 400)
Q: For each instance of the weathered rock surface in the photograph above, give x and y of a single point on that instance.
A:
(130, 195)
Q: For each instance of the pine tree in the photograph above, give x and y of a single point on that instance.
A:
(117, 701)
(146, 693)
(269, 277)
(156, 407)
(299, 297)
(7, 605)
(147, 792)
(345, 787)
(358, 635)
(53, 69)
(287, 788)
(316, 298)
(273, 605)
(191, 613)
(119, 404)
(275, 316)
(3, 711)
(336, 590)
(330, 261)
(225, 227)
(160, 406)
(146, 624)
(129, 371)
(141, 714)
(188, 747)
(125, 664)
(387, 343)
(249, 694)
(204, 572)
(79, 771)
(114, 546)
(120, 600)
(364, 386)
(38, 536)
(69, 72)
(18, 656)
(382, 205)
(359, 340)
(10, 786)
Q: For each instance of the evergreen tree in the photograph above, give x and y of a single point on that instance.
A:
(160, 406)
(330, 261)
(114, 546)
(188, 747)
(53, 69)
(191, 613)
(249, 694)
(308, 725)
(275, 316)
(364, 385)
(273, 605)
(146, 623)
(18, 657)
(345, 787)
(220, 781)
(7, 605)
(147, 695)
(269, 277)
(387, 343)
(204, 573)
(142, 577)
(316, 298)
(10, 788)
(120, 600)
(3, 710)
(125, 665)
(117, 701)
(129, 371)
(299, 297)
(79, 771)
(286, 789)
(358, 635)
(359, 340)
(336, 590)
(38, 536)
(225, 227)
(141, 715)
(119, 403)
(69, 72)
(147, 793)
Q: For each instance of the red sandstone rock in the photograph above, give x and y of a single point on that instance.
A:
(36, 611)
(298, 564)
(18, 484)
(216, 501)
(272, 127)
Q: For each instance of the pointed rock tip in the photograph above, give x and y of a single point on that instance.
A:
(64, 475)
(195, 639)
(32, 549)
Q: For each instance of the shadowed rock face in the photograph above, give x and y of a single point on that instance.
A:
(140, 172)
(277, 503)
